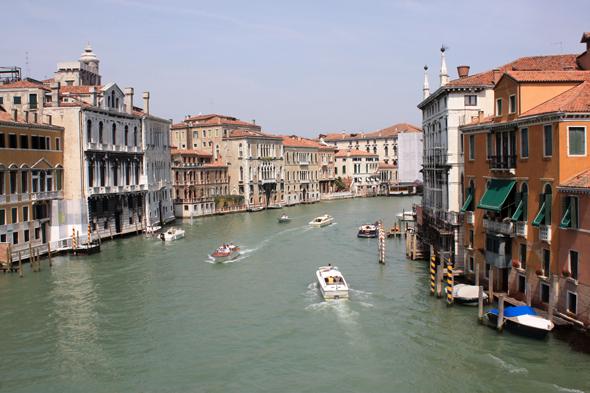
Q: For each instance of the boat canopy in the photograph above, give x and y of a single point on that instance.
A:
(515, 311)
(496, 195)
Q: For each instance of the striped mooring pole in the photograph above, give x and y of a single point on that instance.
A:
(74, 239)
(449, 284)
(89, 234)
(381, 242)
(432, 271)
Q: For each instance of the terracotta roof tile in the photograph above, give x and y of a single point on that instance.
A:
(24, 85)
(353, 152)
(549, 76)
(290, 141)
(78, 89)
(581, 180)
(387, 166)
(384, 133)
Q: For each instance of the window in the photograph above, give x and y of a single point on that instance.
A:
(2, 140)
(12, 141)
(217, 132)
(209, 133)
(14, 212)
(89, 131)
(522, 255)
(16, 100)
(100, 127)
(1, 100)
(27, 235)
(24, 182)
(25, 213)
(472, 147)
(512, 104)
(576, 141)
(544, 292)
(470, 100)
(2, 216)
(57, 145)
(547, 141)
(471, 238)
(195, 135)
(490, 145)
(13, 182)
(47, 143)
(546, 262)
(572, 302)
(574, 258)
(569, 208)
(499, 107)
(521, 283)
(15, 238)
(471, 263)
(24, 141)
(486, 270)
(524, 143)
(241, 152)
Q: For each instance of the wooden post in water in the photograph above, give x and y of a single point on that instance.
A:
(20, 265)
(500, 313)
(414, 247)
(552, 295)
(477, 274)
(38, 259)
(49, 254)
(439, 277)
(136, 232)
(31, 256)
(432, 270)
(111, 231)
(491, 285)
(450, 298)
(9, 259)
(528, 295)
(480, 306)
(408, 244)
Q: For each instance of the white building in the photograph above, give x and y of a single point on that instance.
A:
(410, 156)
(361, 167)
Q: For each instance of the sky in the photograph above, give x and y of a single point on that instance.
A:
(296, 67)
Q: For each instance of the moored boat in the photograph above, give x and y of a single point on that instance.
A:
(367, 230)
(406, 216)
(332, 283)
(523, 320)
(467, 294)
(226, 253)
(276, 206)
(256, 208)
(152, 229)
(321, 221)
(172, 234)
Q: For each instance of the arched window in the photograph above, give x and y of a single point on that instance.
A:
(89, 131)
(135, 136)
(113, 98)
(216, 151)
(114, 140)
(100, 127)
(126, 134)
(241, 174)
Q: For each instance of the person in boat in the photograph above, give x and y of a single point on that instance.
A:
(284, 215)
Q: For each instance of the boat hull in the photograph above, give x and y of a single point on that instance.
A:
(514, 325)
(320, 223)
(223, 257)
(367, 234)
(284, 219)
(170, 236)
(334, 291)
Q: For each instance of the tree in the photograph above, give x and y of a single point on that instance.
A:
(340, 186)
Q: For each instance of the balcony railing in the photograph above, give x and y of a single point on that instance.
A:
(545, 233)
(502, 162)
(469, 217)
(507, 228)
(116, 189)
(39, 196)
(269, 180)
(521, 228)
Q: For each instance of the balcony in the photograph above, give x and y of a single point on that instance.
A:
(304, 181)
(303, 162)
(545, 233)
(469, 217)
(502, 163)
(521, 228)
(116, 189)
(506, 228)
(269, 180)
(41, 196)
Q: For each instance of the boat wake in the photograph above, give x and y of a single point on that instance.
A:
(561, 389)
(507, 366)
(240, 257)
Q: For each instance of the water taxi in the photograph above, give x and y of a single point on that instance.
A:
(226, 253)
(172, 234)
(322, 221)
(367, 230)
(284, 218)
(332, 283)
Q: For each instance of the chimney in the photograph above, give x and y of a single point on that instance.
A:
(54, 94)
(93, 94)
(254, 121)
(26, 117)
(187, 117)
(129, 100)
(343, 134)
(362, 134)
(146, 102)
(219, 159)
(426, 86)
(480, 116)
(15, 114)
(497, 75)
(463, 71)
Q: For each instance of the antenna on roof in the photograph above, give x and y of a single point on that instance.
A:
(560, 47)
(28, 72)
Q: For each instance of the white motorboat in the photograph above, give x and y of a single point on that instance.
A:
(367, 230)
(284, 218)
(172, 234)
(322, 221)
(467, 294)
(276, 206)
(332, 283)
(406, 216)
(152, 229)
(256, 208)
(225, 254)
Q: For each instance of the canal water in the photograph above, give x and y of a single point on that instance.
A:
(149, 316)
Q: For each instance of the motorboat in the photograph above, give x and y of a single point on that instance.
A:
(150, 229)
(256, 208)
(225, 254)
(467, 294)
(321, 221)
(367, 230)
(332, 283)
(406, 216)
(523, 320)
(276, 206)
(284, 218)
(172, 234)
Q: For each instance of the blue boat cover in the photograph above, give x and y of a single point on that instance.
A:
(515, 311)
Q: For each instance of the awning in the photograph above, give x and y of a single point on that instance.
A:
(496, 195)
(567, 218)
(518, 211)
(540, 216)
(467, 202)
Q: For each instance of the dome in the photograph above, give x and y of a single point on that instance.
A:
(89, 57)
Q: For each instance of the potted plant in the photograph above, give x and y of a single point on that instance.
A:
(566, 273)
(506, 219)
(538, 271)
(515, 264)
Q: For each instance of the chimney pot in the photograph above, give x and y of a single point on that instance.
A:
(463, 71)
(480, 116)
(254, 121)
(54, 93)
(497, 75)
(146, 102)
(187, 117)
(129, 100)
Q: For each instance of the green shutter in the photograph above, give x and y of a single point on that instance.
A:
(548, 199)
(540, 216)
(517, 213)
(468, 201)
(525, 202)
(496, 194)
(574, 212)
(567, 218)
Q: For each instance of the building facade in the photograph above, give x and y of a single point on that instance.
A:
(361, 168)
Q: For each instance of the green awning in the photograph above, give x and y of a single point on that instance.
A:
(540, 216)
(467, 202)
(518, 212)
(567, 218)
(496, 195)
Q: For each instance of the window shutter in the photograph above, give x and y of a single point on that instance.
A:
(574, 212)
(525, 199)
(565, 202)
(548, 199)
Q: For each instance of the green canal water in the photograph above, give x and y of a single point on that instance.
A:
(148, 316)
